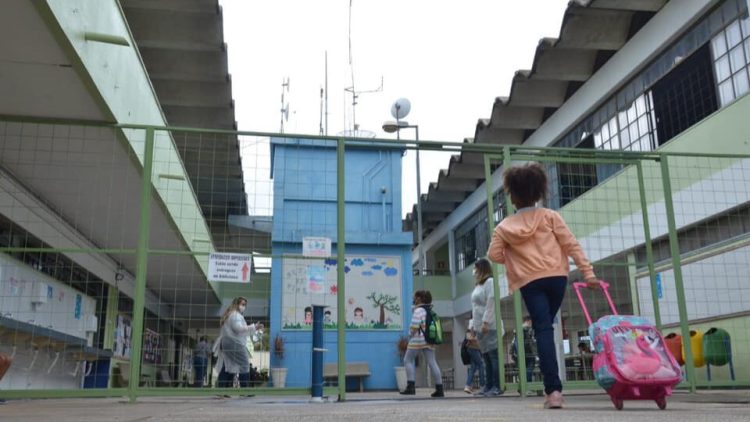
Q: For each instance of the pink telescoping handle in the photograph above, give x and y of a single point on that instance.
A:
(577, 286)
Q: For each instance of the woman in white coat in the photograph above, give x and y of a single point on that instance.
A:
(232, 344)
(483, 320)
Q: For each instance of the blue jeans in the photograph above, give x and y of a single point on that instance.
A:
(477, 365)
(543, 298)
(200, 363)
(492, 369)
(530, 363)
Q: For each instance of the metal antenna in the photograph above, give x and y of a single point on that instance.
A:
(284, 105)
(351, 89)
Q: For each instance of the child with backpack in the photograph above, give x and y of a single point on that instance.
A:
(534, 245)
(418, 343)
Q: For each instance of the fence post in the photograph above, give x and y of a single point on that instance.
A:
(340, 274)
(495, 273)
(674, 248)
(649, 247)
(136, 340)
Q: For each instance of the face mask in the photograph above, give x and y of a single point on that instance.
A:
(242, 308)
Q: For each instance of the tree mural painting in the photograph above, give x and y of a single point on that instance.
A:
(386, 303)
(372, 283)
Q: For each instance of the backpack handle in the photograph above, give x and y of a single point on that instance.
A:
(577, 286)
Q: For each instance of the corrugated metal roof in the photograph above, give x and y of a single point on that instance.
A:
(187, 63)
(590, 33)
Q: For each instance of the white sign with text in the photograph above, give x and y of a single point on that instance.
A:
(229, 267)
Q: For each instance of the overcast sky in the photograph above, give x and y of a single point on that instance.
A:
(449, 58)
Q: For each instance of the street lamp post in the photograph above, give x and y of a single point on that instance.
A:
(399, 110)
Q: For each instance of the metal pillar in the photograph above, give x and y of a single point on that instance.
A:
(317, 353)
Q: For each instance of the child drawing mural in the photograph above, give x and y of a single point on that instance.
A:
(373, 291)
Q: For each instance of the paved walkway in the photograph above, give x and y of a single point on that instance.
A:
(713, 406)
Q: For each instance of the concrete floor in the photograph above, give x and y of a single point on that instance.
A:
(711, 406)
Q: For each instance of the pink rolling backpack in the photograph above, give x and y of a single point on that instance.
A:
(632, 361)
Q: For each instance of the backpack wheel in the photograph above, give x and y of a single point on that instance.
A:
(661, 402)
(618, 403)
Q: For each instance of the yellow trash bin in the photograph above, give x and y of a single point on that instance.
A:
(696, 343)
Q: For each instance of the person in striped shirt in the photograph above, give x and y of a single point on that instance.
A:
(422, 302)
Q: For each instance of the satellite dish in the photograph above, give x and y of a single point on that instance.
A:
(400, 108)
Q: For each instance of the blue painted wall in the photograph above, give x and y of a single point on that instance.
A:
(304, 174)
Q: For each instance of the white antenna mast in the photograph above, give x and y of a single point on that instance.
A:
(354, 92)
(326, 92)
(284, 105)
(321, 131)
(324, 101)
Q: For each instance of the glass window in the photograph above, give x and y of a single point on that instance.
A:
(640, 105)
(625, 137)
(631, 113)
(719, 45)
(734, 36)
(646, 144)
(740, 82)
(598, 140)
(643, 124)
(722, 69)
(731, 66)
(737, 59)
(726, 92)
(613, 127)
(623, 119)
(634, 135)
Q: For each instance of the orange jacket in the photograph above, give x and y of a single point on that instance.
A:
(535, 243)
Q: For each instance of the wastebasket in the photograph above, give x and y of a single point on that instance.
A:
(696, 344)
(717, 349)
(674, 345)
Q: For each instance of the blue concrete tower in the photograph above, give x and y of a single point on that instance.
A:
(378, 256)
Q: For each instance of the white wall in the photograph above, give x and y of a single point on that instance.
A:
(721, 191)
(58, 309)
(714, 286)
(43, 374)
(35, 365)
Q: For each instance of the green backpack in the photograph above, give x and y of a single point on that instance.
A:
(433, 328)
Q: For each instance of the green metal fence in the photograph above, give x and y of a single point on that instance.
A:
(106, 232)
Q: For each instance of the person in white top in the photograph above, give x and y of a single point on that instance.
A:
(483, 323)
(232, 344)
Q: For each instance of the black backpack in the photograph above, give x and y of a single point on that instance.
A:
(465, 356)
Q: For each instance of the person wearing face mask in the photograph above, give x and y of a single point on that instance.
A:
(483, 324)
(417, 344)
(232, 351)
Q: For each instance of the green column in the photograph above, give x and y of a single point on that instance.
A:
(141, 264)
(674, 248)
(340, 257)
(495, 270)
(110, 317)
(517, 306)
(649, 247)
